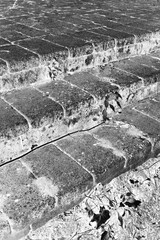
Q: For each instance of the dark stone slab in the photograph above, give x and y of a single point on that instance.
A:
(77, 47)
(144, 123)
(92, 37)
(11, 122)
(29, 31)
(18, 58)
(150, 107)
(24, 202)
(117, 76)
(148, 60)
(47, 50)
(59, 176)
(122, 37)
(148, 73)
(135, 149)
(12, 35)
(91, 84)
(39, 109)
(72, 98)
(95, 156)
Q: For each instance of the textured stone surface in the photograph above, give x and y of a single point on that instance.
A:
(146, 124)
(92, 84)
(72, 98)
(45, 49)
(11, 122)
(77, 47)
(95, 156)
(57, 175)
(127, 142)
(21, 200)
(18, 58)
(39, 109)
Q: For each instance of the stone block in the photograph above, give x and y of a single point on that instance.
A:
(18, 58)
(148, 73)
(125, 141)
(77, 47)
(98, 158)
(11, 122)
(48, 51)
(72, 98)
(39, 109)
(57, 175)
(21, 201)
(100, 42)
(147, 125)
(92, 84)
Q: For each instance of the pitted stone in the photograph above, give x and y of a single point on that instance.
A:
(68, 180)
(18, 58)
(45, 49)
(77, 47)
(126, 142)
(39, 109)
(91, 84)
(97, 158)
(11, 122)
(73, 99)
(21, 200)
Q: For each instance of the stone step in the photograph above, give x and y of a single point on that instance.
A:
(34, 115)
(56, 177)
(36, 49)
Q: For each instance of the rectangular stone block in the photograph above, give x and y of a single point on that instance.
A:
(39, 109)
(150, 107)
(22, 200)
(58, 176)
(99, 41)
(148, 125)
(92, 84)
(98, 158)
(12, 123)
(77, 47)
(148, 73)
(72, 98)
(124, 141)
(18, 58)
(45, 49)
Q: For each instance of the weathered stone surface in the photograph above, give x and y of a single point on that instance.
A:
(148, 73)
(11, 122)
(97, 157)
(12, 36)
(122, 38)
(126, 141)
(39, 109)
(77, 47)
(92, 84)
(59, 176)
(73, 99)
(48, 51)
(150, 107)
(27, 30)
(18, 58)
(20, 79)
(21, 199)
(142, 122)
(96, 39)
